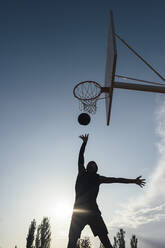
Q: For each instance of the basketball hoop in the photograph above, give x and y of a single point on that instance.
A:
(87, 93)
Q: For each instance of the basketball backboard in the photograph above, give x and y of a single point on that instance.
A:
(110, 66)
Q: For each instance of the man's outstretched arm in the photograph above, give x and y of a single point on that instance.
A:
(139, 181)
(81, 167)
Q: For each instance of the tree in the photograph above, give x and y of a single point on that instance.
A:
(84, 243)
(43, 236)
(45, 233)
(133, 242)
(38, 238)
(30, 236)
(115, 243)
(119, 241)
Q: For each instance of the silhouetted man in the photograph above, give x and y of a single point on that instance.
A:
(86, 211)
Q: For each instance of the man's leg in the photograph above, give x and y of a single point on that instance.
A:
(77, 225)
(105, 241)
(99, 229)
(73, 241)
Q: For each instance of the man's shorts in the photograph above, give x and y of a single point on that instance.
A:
(80, 220)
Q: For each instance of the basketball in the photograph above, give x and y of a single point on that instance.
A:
(84, 119)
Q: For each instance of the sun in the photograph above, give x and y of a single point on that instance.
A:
(63, 210)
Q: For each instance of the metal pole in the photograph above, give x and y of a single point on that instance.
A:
(139, 80)
(140, 57)
(139, 87)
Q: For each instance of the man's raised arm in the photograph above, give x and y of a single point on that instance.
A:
(139, 181)
(81, 167)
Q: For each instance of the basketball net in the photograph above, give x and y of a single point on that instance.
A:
(88, 106)
(87, 93)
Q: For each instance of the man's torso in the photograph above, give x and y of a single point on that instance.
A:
(87, 188)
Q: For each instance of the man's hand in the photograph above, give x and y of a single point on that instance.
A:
(140, 182)
(84, 137)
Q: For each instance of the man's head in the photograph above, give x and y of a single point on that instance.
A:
(92, 167)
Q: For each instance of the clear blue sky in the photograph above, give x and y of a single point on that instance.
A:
(47, 47)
